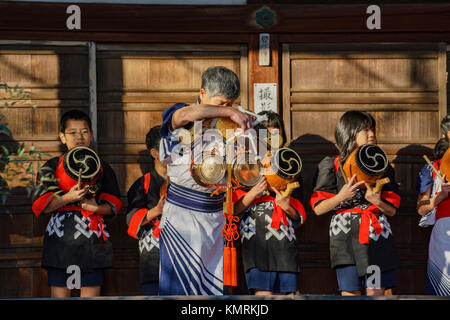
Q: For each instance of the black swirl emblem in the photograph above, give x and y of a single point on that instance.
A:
(371, 159)
(84, 159)
(286, 163)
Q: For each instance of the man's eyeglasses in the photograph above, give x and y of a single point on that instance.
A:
(82, 132)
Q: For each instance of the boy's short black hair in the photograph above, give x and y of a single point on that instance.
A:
(440, 148)
(153, 138)
(445, 125)
(73, 115)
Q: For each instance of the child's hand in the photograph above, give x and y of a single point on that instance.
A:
(89, 204)
(75, 194)
(348, 191)
(160, 205)
(259, 188)
(281, 201)
(156, 211)
(371, 196)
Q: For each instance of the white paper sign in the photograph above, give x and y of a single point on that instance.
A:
(265, 97)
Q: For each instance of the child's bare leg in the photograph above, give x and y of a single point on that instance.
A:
(59, 292)
(375, 292)
(93, 291)
(262, 292)
(350, 293)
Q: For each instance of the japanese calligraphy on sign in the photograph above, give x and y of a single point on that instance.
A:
(265, 97)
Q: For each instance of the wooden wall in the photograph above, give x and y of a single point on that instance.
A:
(323, 59)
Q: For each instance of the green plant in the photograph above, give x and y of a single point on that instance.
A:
(16, 166)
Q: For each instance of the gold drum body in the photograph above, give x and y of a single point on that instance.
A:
(210, 171)
(247, 169)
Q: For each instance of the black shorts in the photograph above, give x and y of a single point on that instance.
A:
(348, 279)
(58, 278)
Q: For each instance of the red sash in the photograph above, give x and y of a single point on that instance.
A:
(96, 219)
(368, 215)
(443, 209)
(278, 215)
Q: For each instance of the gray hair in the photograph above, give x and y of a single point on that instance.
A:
(221, 81)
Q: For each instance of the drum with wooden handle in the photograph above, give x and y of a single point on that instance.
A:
(369, 162)
(281, 167)
(80, 166)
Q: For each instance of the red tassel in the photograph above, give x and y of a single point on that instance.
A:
(227, 266)
(233, 266)
(230, 233)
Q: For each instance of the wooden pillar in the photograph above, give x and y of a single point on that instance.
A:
(263, 74)
(93, 91)
(442, 80)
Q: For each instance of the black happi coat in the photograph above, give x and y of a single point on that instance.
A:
(264, 246)
(143, 195)
(355, 238)
(75, 236)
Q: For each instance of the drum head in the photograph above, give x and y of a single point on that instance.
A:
(286, 163)
(84, 159)
(371, 159)
(211, 171)
(247, 170)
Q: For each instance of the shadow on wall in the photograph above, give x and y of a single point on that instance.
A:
(312, 149)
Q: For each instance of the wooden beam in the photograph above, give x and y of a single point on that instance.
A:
(112, 18)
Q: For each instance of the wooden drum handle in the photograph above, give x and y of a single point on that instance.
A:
(379, 184)
(432, 167)
(289, 188)
(79, 179)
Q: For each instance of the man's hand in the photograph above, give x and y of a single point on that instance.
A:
(244, 120)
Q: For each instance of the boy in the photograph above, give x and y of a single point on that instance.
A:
(191, 244)
(144, 210)
(76, 234)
